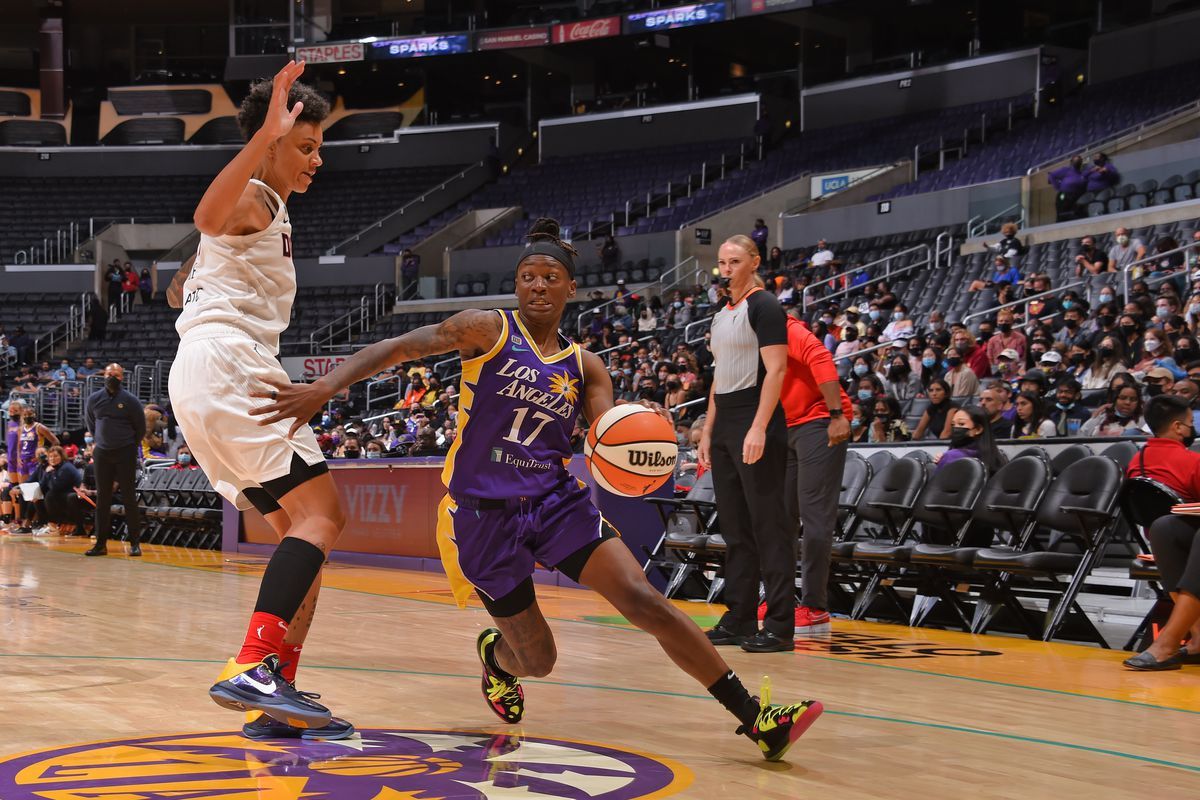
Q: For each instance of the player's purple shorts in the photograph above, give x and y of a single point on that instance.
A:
(494, 547)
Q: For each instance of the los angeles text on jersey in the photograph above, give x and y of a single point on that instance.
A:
(523, 387)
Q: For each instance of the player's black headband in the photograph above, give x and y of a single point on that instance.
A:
(550, 250)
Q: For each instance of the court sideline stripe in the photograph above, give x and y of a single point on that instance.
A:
(628, 690)
(209, 570)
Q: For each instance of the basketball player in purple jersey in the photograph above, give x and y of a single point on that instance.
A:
(31, 436)
(511, 501)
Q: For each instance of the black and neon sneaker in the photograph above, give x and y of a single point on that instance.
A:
(778, 727)
(263, 727)
(504, 695)
(260, 687)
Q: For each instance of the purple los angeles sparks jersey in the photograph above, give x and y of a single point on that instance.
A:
(515, 416)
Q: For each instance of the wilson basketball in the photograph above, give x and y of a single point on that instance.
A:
(631, 450)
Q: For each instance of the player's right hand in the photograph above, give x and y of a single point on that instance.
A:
(279, 119)
(295, 401)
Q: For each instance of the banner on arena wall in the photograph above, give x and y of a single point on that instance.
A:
(829, 184)
(512, 38)
(748, 8)
(330, 53)
(421, 46)
(599, 28)
(678, 17)
(309, 368)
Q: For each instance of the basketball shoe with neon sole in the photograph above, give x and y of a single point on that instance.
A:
(261, 687)
(777, 728)
(504, 696)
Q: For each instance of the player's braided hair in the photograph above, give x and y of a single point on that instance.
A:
(254, 107)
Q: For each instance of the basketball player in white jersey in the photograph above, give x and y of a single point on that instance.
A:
(236, 294)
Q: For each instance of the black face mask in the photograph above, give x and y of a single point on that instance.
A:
(1129, 330)
(1154, 389)
(1005, 327)
(352, 453)
(984, 336)
(1105, 320)
(112, 383)
(960, 436)
(1071, 323)
(954, 362)
(897, 371)
(1106, 352)
(1078, 359)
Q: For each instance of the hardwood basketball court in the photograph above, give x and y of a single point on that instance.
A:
(121, 652)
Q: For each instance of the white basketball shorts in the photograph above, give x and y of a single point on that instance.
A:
(215, 370)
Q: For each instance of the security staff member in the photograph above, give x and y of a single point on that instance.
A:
(744, 442)
(817, 412)
(118, 423)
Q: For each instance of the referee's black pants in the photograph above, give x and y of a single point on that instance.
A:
(116, 464)
(761, 542)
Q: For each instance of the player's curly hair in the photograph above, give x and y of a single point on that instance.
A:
(254, 108)
(547, 229)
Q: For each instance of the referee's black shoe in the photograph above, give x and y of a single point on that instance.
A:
(766, 642)
(720, 635)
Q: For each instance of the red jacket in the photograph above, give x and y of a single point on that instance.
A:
(809, 364)
(1170, 463)
(979, 363)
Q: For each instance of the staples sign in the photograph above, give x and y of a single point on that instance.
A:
(330, 53)
(309, 368)
(600, 28)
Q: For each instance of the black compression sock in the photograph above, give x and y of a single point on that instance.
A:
(730, 693)
(289, 575)
(489, 658)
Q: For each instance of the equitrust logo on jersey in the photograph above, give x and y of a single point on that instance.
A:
(380, 763)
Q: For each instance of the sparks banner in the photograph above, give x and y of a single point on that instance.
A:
(421, 46)
(679, 17)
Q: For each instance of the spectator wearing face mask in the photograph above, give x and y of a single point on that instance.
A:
(1006, 338)
(1108, 361)
(1070, 182)
(184, 459)
(374, 449)
(1121, 416)
(1125, 250)
(1189, 390)
(759, 235)
(1003, 272)
(900, 382)
(129, 283)
(973, 355)
(1102, 174)
(900, 326)
(146, 286)
(1072, 331)
(887, 423)
(971, 437)
(1067, 414)
(1157, 351)
(860, 368)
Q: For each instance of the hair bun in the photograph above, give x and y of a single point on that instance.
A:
(546, 226)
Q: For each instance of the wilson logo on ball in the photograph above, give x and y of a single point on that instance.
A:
(649, 458)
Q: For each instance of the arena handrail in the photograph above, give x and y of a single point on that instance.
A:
(1151, 258)
(887, 274)
(1011, 303)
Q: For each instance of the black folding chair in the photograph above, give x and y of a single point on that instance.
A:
(1143, 500)
(1081, 505)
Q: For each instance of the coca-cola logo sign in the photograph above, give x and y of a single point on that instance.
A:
(599, 28)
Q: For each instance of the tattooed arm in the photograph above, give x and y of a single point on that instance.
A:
(470, 332)
(175, 290)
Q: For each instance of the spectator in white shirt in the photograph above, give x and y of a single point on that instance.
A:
(821, 256)
(901, 327)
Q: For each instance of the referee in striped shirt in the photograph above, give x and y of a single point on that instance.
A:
(744, 442)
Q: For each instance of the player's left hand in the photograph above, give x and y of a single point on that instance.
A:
(657, 409)
(753, 445)
(295, 401)
(839, 430)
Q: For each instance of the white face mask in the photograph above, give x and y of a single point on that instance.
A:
(1122, 240)
(897, 315)
(1151, 345)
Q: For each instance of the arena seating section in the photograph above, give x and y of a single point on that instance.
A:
(178, 507)
(347, 202)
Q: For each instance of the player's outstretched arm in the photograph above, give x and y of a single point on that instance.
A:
(219, 204)
(470, 332)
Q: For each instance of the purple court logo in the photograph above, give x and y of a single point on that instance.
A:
(378, 764)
